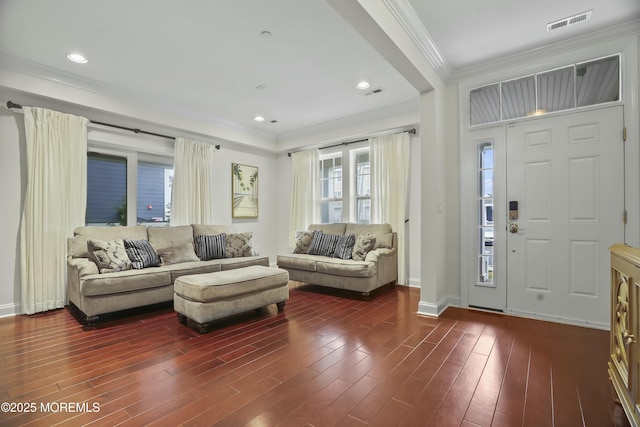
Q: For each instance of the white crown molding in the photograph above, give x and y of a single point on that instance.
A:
(352, 127)
(411, 23)
(631, 28)
(37, 80)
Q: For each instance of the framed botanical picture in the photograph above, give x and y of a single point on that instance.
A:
(244, 191)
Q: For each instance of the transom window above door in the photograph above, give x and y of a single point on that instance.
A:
(569, 87)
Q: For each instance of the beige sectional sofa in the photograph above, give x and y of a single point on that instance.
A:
(373, 269)
(92, 293)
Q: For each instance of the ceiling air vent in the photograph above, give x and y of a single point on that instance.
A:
(581, 17)
(374, 91)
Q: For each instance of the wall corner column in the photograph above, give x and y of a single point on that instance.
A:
(433, 299)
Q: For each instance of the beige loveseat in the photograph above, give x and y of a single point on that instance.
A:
(92, 293)
(377, 268)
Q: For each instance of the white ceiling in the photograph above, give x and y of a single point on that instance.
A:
(208, 60)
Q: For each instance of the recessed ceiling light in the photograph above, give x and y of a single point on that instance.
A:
(363, 85)
(266, 34)
(76, 57)
(258, 119)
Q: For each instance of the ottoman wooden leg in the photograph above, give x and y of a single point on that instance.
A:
(202, 328)
(182, 318)
(280, 306)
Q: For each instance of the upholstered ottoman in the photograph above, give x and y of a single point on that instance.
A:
(211, 296)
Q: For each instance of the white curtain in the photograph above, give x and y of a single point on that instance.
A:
(55, 203)
(191, 191)
(389, 188)
(305, 205)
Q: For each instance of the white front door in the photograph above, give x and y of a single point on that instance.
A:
(565, 176)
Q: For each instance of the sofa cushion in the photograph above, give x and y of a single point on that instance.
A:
(210, 247)
(77, 245)
(194, 267)
(210, 230)
(364, 243)
(125, 281)
(298, 261)
(178, 254)
(347, 268)
(109, 256)
(233, 263)
(344, 248)
(302, 241)
(238, 244)
(323, 243)
(168, 237)
(336, 228)
(383, 233)
(226, 285)
(141, 253)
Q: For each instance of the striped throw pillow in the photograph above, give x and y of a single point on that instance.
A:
(141, 253)
(323, 243)
(344, 248)
(210, 247)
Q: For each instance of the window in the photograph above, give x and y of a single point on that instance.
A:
(518, 98)
(106, 189)
(598, 81)
(485, 105)
(574, 86)
(485, 213)
(331, 184)
(363, 186)
(154, 192)
(125, 186)
(555, 90)
(345, 177)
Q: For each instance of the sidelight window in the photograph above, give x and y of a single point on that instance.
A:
(485, 213)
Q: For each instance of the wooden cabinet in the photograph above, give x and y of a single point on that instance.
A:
(624, 364)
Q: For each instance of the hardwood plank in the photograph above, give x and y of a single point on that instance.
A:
(538, 408)
(341, 407)
(514, 388)
(456, 402)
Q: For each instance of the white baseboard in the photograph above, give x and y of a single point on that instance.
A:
(414, 282)
(8, 310)
(435, 310)
(558, 319)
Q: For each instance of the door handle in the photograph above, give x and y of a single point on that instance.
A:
(513, 228)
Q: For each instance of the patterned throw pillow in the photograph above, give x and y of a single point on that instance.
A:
(364, 243)
(141, 253)
(344, 248)
(178, 254)
(109, 256)
(323, 243)
(210, 247)
(238, 244)
(303, 241)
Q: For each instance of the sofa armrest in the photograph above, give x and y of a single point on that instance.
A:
(386, 261)
(376, 254)
(76, 269)
(81, 266)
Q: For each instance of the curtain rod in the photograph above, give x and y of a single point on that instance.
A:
(11, 105)
(411, 131)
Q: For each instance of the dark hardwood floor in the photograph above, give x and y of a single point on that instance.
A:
(325, 361)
